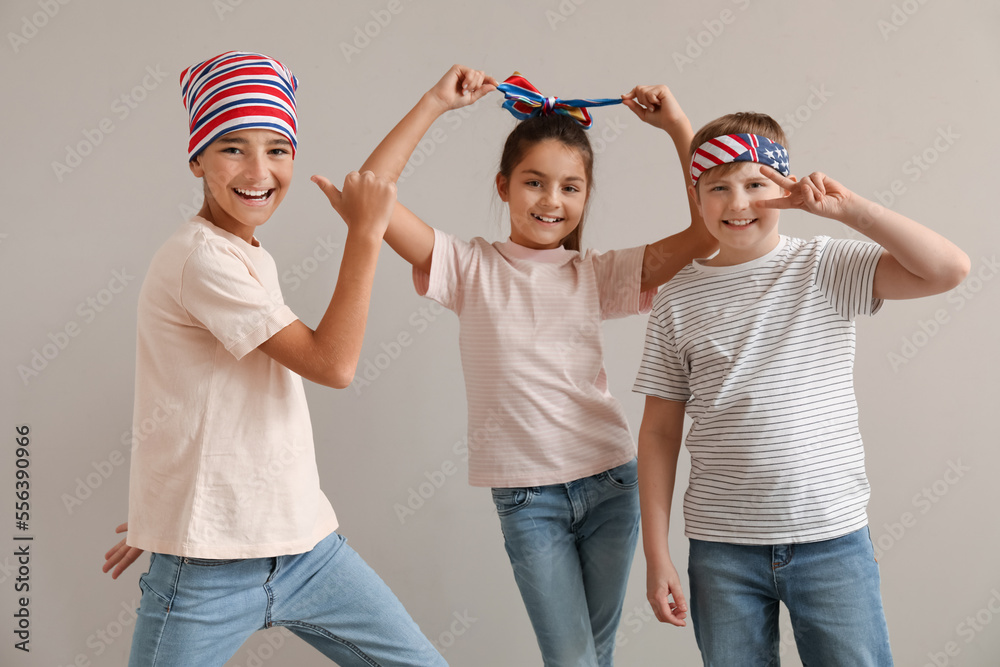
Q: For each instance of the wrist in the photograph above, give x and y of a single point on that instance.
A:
(432, 104)
(364, 236)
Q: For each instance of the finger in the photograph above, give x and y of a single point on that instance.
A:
(122, 528)
(129, 558)
(634, 106)
(482, 91)
(781, 202)
(113, 549)
(785, 182)
(818, 181)
(328, 188)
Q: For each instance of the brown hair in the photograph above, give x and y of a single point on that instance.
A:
(742, 122)
(560, 128)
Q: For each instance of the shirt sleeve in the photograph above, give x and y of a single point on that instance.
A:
(619, 277)
(662, 372)
(845, 276)
(450, 264)
(221, 292)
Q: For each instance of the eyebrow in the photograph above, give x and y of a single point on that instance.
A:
(535, 172)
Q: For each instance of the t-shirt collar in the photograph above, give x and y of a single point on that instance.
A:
(512, 250)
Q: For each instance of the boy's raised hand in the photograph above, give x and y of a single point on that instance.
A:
(816, 193)
(657, 106)
(462, 86)
(366, 202)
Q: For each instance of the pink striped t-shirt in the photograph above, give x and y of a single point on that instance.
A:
(539, 407)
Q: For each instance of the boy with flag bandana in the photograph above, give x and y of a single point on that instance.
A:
(756, 346)
(226, 493)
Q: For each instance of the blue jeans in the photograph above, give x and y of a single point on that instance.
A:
(199, 612)
(571, 547)
(831, 589)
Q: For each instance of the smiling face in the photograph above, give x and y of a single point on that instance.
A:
(246, 175)
(725, 197)
(547, 193)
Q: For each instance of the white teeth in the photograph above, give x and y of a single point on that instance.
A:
(740, 223)
(546, 218)
(251, 193)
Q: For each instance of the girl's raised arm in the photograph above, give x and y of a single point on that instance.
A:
(657, 106)
(408, 235)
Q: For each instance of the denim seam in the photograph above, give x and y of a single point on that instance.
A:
(170, 605)
(325, 633)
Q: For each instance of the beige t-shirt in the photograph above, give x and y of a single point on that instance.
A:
(223, 464)
(532, 352)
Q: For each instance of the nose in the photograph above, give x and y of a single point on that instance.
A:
(550, 196)
(255, 167)
(739, 200)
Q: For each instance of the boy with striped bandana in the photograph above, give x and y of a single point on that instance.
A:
(225, 494)
(756, 345)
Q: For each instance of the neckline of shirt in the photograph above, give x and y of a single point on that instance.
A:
(229, 236)
(701, 267)
(513, 250)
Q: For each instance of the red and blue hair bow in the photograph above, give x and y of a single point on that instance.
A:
(524, 101)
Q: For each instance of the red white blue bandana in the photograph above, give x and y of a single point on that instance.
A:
(739, 148)
(238, 91)
(524, 101)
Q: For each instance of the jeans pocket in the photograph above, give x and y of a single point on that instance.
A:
(209, 562)
(508, 501)
(625, 476)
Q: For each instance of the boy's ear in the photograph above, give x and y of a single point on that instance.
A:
(693, 192)
(196, 168)
(502, 188)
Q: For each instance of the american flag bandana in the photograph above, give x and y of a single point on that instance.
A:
(739, 148)
(236, 91)
(524, 101)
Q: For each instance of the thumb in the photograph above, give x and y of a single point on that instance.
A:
(635, 107)
(328, 188)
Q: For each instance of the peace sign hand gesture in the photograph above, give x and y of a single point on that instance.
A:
(817, 193)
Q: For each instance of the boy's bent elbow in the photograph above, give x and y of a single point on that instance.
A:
(340, 376)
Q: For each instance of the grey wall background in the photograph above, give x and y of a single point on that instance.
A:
(895, 99)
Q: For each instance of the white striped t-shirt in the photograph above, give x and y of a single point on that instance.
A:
(763, 354)
(539, 407)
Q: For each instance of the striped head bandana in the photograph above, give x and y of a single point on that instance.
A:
(739, 148)
(238, 91)
(524, 101)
